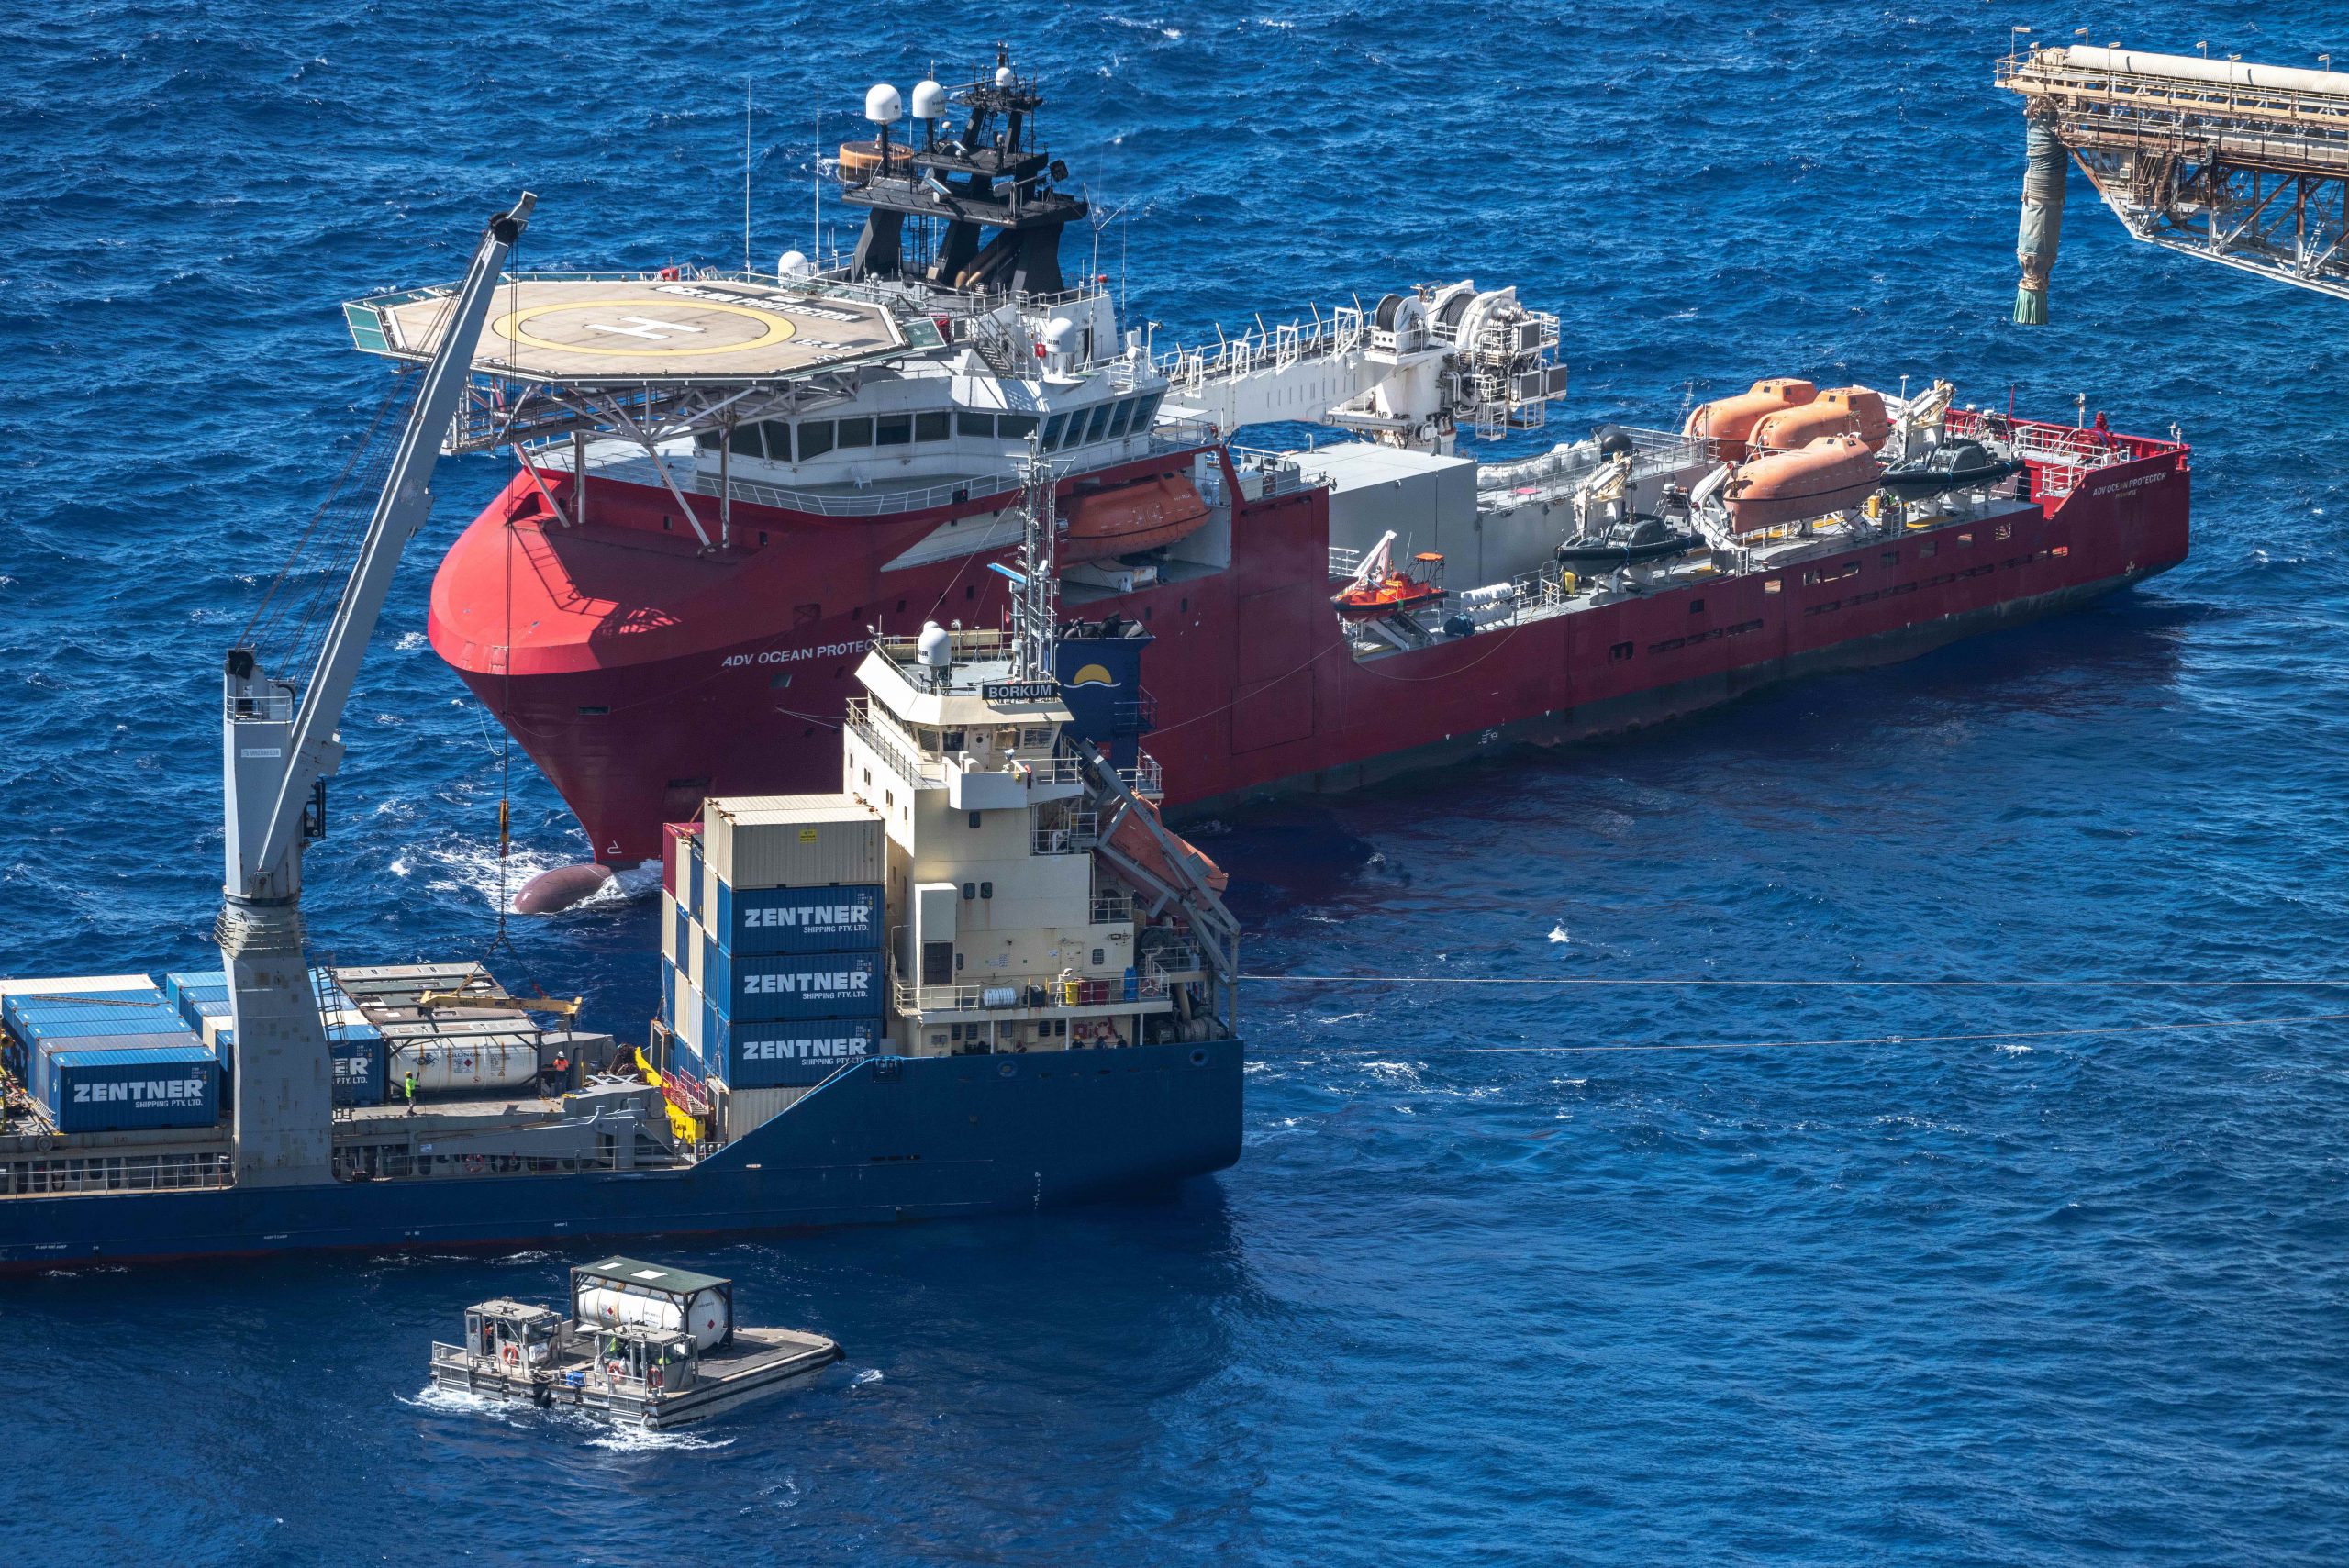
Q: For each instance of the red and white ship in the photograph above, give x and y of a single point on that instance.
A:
(728, 482)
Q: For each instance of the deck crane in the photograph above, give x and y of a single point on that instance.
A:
(281, 738)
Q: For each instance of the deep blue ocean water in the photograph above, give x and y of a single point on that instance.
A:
(2058, 1297)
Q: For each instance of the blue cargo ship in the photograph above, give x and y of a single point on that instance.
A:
(982, 976)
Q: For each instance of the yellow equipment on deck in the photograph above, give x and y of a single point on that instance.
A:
(681, 1121)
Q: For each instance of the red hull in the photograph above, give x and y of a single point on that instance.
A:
(642, 676)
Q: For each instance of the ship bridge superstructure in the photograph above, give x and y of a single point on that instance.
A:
(2246, 165)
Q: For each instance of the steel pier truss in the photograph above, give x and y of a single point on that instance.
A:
(2244, 165)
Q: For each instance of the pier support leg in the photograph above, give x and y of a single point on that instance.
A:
(2042, 220)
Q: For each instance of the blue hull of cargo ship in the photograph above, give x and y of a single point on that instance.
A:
(915, 1138)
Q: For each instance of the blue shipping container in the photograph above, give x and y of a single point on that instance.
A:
(761, 920)
(17, 1006)
(129, 1018)
(775, 1055)
(793, 985)
(114, 1091)
(39, 1057)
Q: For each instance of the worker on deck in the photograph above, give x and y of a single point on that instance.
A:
(558, 1076)
(408, 1088)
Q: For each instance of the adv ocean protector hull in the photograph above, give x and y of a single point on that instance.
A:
(728, 480)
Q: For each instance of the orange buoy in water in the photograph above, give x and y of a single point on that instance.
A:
(1827, 475)
(1839, 411)
(1730, 421)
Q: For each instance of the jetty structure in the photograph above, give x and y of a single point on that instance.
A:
(2243, 165)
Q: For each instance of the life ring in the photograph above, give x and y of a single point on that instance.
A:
(669, 274)
(510, 1356)
(616, 1370)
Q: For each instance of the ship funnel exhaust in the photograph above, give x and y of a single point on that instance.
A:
(2043, 221)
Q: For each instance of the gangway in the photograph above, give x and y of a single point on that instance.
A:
(2245, 165)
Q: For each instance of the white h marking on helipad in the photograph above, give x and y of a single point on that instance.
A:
(646, 327)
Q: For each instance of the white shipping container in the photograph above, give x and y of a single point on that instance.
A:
(610, 1305)
(793, 840)
(668, 926)
(748, 1109)
(449, 1064)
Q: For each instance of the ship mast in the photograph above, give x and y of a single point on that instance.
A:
(1035, 605)
(281, 741)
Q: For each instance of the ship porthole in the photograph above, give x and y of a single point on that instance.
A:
(1009, 1069)
(1200, 1057)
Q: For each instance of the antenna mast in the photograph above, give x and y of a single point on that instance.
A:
(746, 173)
(1035, 608)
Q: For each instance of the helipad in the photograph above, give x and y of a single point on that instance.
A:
(602, 329)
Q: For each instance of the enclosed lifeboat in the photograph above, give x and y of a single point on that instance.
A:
(1130, 517)
(1730, 421)
(1827, 475)
(1137, 843)
(1838, 411)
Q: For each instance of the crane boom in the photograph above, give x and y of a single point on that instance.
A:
(277, 746)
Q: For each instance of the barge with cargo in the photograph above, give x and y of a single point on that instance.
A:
(979, 974)
(725, 479)
(642, 1346)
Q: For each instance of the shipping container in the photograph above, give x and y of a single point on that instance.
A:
(692, 878)
(669, 993)
(773, 1055)
(131, 1018)
(795, 986)
(446, 1063)
(22, 999)
(793, 840)
(37, 1057)
(670, 910)
(124, 1090)
(756, 922)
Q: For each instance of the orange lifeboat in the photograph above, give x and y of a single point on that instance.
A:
(1730, 421)
(1839, 411)
(1142, 516)
(1827, 475)
(1131, 839)
(1380, 590)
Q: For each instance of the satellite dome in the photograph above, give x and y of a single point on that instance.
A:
(930, 101)
(794, 264)
(882, 105)
(935, 648)
(1060, 332)
(1003, 76)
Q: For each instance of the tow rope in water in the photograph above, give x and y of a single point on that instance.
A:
(1618, 1047)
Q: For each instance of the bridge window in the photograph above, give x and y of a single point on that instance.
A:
(747, 441)
(1100, 423)
(894, 431)
(1052, 431)
(709, 440)
(1016, 427)
(856, 432)
(970, 422)
(814, 438)
(934, 426)
(1124, 412)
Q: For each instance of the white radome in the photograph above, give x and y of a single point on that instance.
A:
(882, 105)
(930, 101)
(793, 264)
